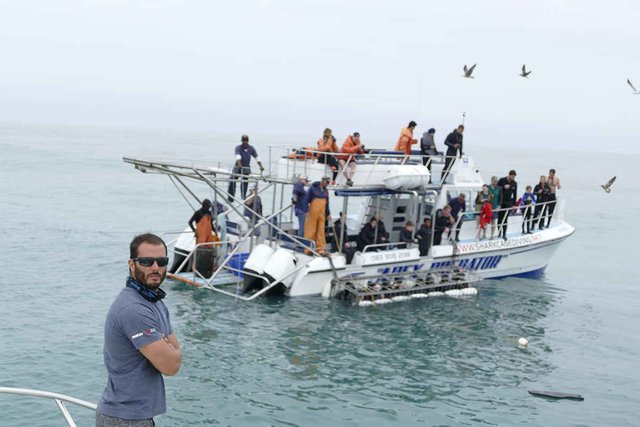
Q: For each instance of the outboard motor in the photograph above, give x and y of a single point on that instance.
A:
(255, 264)
(280, 266)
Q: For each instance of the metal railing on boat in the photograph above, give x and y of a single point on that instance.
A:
(60, 400)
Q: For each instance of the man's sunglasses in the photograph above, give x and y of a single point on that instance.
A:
(146, 261)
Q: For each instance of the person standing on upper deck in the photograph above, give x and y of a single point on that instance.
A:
(406, 140)
(350, 148)
(509, 188)
(554, 185)
(453, 143)
(326, 146)
(428, 148)
(300, 203)
(242, 168)
(318, 198)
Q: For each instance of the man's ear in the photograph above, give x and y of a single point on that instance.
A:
(131, 266)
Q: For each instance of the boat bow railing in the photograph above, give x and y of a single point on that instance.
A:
(60, 400)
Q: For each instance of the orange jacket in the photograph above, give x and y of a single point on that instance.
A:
(405, 141)
(349, 147)
(327, 146)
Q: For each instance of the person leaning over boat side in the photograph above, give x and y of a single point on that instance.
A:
(428, 148)
(347, 158)
(242, 168)
(318, 198)
(423, 235)
(406, 140)
(406, 234)
(453, 143)
(204, 223)
(528, 200)
(496, 201)
(509, 197)
(444, 221)
(458, 206)
(554, 185)
(327, 144)
(140, 345)
(300, 203)
(253, 208)
(541, 190)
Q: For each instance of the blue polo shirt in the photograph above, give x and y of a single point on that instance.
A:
(135, 389)
(244, 154)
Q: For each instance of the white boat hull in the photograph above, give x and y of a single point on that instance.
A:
(521, 255)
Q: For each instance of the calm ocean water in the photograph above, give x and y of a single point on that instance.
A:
(69, 207)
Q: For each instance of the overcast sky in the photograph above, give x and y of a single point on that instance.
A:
(294, 67)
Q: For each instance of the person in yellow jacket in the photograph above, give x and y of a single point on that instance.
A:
(318, 198)
(406, 140)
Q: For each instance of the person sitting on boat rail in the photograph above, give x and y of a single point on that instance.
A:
(204, 223)
(300, 203)
(242, 168)
(327, 144)
(453, 143)
(318, 198)
(140, 345)
(347, 158)
(406, 139)
(444, 221)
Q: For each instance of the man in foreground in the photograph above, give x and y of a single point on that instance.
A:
(139, 343)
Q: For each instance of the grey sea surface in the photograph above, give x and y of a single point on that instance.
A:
(69, 207)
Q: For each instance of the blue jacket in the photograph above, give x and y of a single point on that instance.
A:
(527, 198)
(300, 198)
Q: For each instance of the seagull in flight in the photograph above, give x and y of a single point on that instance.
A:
(468, 71)
(607, 187)
(524, 72)
(635, 91)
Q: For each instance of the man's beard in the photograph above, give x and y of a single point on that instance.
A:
(143, 278)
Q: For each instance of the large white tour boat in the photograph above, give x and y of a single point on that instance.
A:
(253, 257)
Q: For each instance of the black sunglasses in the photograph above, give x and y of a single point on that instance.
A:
(146, 261)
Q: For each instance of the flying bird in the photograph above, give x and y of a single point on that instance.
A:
(607, 187)
(468, 71)
(635, 91)
(524, 72)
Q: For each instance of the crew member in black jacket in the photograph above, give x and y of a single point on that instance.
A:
(453, 143)
(509, 188)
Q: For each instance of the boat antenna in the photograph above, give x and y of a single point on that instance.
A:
(464, 114)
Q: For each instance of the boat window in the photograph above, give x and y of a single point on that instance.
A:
(401, 209)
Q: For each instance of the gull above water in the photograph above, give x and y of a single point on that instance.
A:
(635, 91)
(468, 71)
(524, 72)
(607, 187)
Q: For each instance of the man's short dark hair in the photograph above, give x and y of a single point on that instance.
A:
(149, 238)
(552, 171)
(412, 124)
(356, 134)
(461, 127)
(512, 172)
